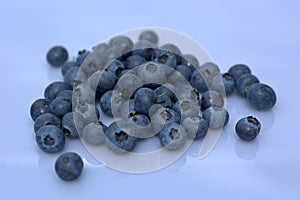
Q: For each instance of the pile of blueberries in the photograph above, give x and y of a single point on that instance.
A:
(130, 82)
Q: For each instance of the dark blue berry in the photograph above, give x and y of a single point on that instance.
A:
(244, 82)
(50, 139)
(67, 94)
(198, 82)
(237, 70)
(164, 57)
(105, 103)
(57, 56)
(248, 128)
(54, 89)
(39, 107)
(116, 67)
(172, 136)
(190, 60)
(60, 107)
(143, 48)
(211, 98)
(67, 66)
(46, 119)
(71, 75)
(134, 61)
(164, 100)
(185, 71)
(195, 127)
(165, 90)
(81, 56)
(261, 96)
(144, 98)
(118, 140)
(68, 126)
(106, 82)
(228, 83)
(68, 166)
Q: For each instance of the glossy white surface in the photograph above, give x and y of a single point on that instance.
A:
(263, 35)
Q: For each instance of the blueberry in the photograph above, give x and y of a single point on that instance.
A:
(198, 82)
(50, 139)
(143, 48)
(171, 48)
(149, 35)
(81, 56)
(186, 108)
(60, 107)
(118, 140)
(106, 82)
(164, 100)
(93, 133)
(237, 70)
(39, 107)
(185, 71)
(83, 93)
(122, 43)
(164, 57)
(134, 60)
(116, 67)
(190, 60)
(68, 126)
(195, 127)
(144, 98)
(105, 103)
(127, 85)
(54, 89)
(67, 94)
(248, 128)
(71, 75)
(152, 73)
(166, 89)
(172, 136)
(163, 116)
(261, 96)
(111, 54)
(68, 166)
(46, 119)
(211, 98)
(216, 117)
(67, 66)
(57, 56)
(228, 83)
(244, 82)
(141, 120)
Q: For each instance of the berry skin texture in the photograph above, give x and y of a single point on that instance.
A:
(68, 126)
(60, 107)
(134, 60)
(105, 103)
(150, 36)
(261, 96)
(57, 56)
(198, 82)
(53, 89)
(144, 98)
(45, 120)
(71, 76)
(228, 83)
(248, 128)
(67, 66)
(172, 136)
(50, 139)
(68, 166)
(237, 70)
(211, 98)
(39, 107)
(244, 82)
(118, 140)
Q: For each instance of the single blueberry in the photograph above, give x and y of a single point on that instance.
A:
(68, 126)
(118, 140)
(50, 139)
(39, 107)
(67, 94)
(248, 128)
(53, 89)
(149, 35)
(81, 57)
(228, 83)
(60, 107)
(198, 82)
(144, 98)
(93, 133)
(106, 82)
(46, 119)
(237, 70)
(244, 82)
(185, 71)
(68, 166)
(216, 117)
(164, 100)
(134, 61)
(67, 66)
(172, 136)
(196, 127)
(211, 98)
(116, 67)
(57, 56)
(105, 103)
(261, 96)
(164, 57)
(71, 75)
(166, 89)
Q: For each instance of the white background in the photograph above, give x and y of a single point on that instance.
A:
(263, 34)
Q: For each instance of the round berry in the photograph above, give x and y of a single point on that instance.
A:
(248, 128)
(50, 139)
(68, 166)
(57, 56)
